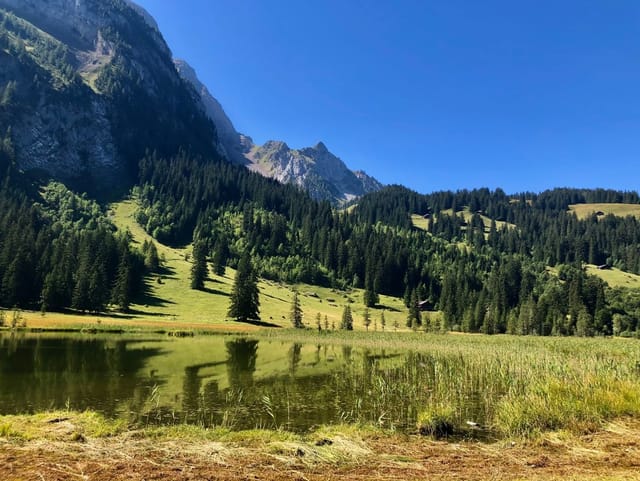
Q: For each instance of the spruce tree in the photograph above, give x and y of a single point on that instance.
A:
(122, 288)
(414, 319)
(347, 319)
(383, 321)
(245, 300)
(296, 311)
(220, 256)
(198, 266)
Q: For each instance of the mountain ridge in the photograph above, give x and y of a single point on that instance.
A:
(315, 169)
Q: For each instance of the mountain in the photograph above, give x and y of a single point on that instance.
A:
(231, 144)
(315, 169)
(88, 86)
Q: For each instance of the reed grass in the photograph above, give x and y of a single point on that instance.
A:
(504, 386)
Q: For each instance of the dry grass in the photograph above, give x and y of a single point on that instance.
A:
(345, 454)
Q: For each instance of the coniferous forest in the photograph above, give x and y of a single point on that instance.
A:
(58, 251)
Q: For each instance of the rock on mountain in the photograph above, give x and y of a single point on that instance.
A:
(315, 169)
(231, 144)
(88, 86)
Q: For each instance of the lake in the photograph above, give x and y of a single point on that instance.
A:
(217, 380)
(475, 386)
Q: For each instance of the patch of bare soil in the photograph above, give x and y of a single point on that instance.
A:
(607, 455)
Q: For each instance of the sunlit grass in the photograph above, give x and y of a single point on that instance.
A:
(584, 211)
(171, 297)
(615, 277)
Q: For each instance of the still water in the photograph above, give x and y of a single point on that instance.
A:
(236, 382)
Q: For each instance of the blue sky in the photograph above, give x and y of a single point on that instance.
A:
(522, 95)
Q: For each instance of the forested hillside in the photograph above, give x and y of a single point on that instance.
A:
(483, 279)
(58, 251)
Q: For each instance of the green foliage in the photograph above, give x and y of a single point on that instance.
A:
(59, 251)
(414, 319)
(296, 312)
(199, 269)
(245, 301)
(347, 319)
(437, 421)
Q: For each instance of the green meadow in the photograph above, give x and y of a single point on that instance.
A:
(170, 297)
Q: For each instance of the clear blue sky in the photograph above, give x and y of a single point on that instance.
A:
(448, 94)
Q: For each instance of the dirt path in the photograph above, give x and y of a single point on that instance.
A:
(610, 455)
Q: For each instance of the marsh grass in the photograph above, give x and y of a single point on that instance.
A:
(502, 386)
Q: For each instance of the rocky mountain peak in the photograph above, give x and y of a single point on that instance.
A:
(320, 147)
(276, 146)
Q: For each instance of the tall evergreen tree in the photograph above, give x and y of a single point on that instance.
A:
(347, 319)
(414, 320)
(296, 311)
(245, 297)
(122, 287)
(199, 266)
(220, 256)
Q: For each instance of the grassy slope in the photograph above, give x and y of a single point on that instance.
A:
(174, 299)
(615, 277)
(583, 211)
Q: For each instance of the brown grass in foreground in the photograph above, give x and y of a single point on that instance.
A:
(612, 454)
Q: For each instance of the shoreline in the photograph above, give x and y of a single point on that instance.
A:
(67, 445)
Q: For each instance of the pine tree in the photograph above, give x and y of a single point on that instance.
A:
(122, 287)
(151, 260)
(383, 321)
(347, 319)
(245, 300)
(198, 266)
(414, 319)
(296, 312)
(319, 321)
(220, 256)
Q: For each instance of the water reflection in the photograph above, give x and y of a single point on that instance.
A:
(39, 373)
(239, 383)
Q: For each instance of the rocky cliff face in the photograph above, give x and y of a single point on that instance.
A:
(231, 144)
(92, 86)
(315, 169)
